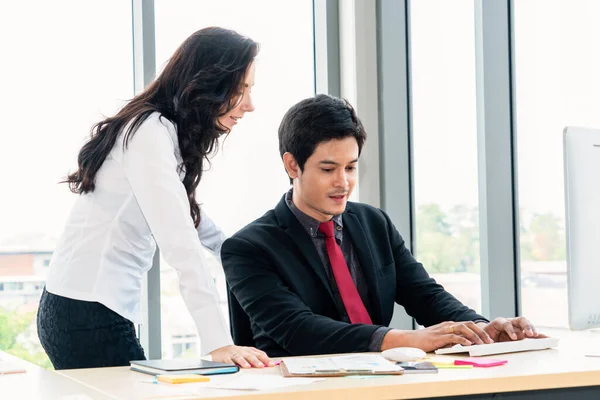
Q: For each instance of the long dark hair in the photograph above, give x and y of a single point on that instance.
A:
(200, 83)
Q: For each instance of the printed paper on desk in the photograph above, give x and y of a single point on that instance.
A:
(364, 364)
(261, 382)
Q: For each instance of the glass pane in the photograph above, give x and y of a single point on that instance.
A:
(445, 144)
(247, 176)
(557, 59)
(64, 74)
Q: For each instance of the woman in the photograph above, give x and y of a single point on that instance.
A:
(136, 178)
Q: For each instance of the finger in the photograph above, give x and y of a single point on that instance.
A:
(520, 334)
(455, 339)
(508, 327)
(253, 360)
(526, 326)
(468, 333)
(241, 361)
(443, 328)
(480, 332)
(263, 357)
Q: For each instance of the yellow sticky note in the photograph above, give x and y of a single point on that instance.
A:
(446, 363)
(182, 378)
(451, 366)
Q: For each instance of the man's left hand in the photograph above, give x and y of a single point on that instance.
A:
(507, 329)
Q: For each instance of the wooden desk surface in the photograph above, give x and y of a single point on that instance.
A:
(39, 383)
(563, 367)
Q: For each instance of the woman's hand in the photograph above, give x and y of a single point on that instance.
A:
(245, 357)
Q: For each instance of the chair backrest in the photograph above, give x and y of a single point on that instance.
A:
(239, 322)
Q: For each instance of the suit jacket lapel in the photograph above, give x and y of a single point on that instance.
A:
(367, 264)
(302, 239)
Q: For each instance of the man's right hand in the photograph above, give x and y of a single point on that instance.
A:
(446, 334)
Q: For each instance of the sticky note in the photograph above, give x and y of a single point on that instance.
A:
(446, 363)
(480, 362)
(452, 366)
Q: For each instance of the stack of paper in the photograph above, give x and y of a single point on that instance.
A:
(360, 364)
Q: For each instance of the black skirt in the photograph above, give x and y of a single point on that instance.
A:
(85, 334)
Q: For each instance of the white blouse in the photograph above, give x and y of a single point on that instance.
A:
(109, 238)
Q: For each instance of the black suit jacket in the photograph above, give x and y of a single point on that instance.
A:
(275, 274)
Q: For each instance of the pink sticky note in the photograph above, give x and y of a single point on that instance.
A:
(480, 362)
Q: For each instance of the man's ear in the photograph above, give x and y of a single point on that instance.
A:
(291, 165)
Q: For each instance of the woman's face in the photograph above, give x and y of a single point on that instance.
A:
(243, 101)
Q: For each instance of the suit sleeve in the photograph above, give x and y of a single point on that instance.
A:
(279, 312)
(423, 298)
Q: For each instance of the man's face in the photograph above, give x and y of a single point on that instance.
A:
(322, 189)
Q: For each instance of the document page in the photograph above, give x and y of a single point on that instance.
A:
(368, 363)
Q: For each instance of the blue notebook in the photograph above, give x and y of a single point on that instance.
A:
(182, 366)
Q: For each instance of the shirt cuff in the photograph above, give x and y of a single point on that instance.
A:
(212, 329)
(481, 320)
(377, 338)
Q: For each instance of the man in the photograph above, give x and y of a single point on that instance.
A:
(320, 275)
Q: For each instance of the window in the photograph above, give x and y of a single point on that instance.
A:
(14, 286)
(248, 161)
(556, 61)
(445, 144)
(65, 73)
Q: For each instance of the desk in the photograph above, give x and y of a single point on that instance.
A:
(39, 383)
(561, 373)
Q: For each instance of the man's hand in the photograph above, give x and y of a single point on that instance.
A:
(245, 357)
(507, 329)
(437, 336)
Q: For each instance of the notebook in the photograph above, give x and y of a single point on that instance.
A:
(182, 366)
(363, 364)
(501, 347)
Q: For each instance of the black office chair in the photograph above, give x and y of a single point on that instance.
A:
(239, 322)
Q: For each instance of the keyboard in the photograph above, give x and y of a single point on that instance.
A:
(501, 347)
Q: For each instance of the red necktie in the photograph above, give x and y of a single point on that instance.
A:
(354, 306)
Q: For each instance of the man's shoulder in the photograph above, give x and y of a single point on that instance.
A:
(363, 210)
(259, 228)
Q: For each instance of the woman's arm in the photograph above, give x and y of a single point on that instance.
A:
(151, 168)
(210, 235)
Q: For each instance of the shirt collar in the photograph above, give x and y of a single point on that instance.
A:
(310, 224)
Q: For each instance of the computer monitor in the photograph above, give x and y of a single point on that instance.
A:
(582, 199)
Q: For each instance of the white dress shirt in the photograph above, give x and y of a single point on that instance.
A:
(109, 239)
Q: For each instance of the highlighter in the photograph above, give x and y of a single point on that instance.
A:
(185, 378)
